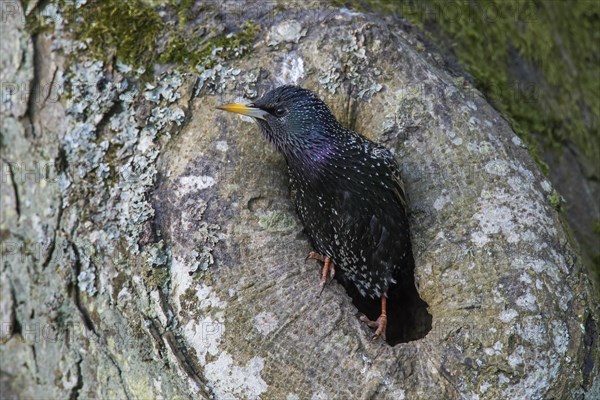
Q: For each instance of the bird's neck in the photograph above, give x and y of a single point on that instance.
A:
(313, 163)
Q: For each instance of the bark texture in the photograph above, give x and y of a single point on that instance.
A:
(150, 248)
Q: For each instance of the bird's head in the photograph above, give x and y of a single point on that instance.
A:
(294, 119)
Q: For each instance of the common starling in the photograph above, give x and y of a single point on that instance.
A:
(348, 191)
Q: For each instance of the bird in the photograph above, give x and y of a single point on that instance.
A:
(348, 192)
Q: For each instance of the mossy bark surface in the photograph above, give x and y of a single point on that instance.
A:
(150, 248)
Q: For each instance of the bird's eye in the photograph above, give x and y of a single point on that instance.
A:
(280, 111)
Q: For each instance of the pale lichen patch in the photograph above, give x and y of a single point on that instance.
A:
(189, 184)
(289, 31)
(518, 142)
(204, 332)
(516, 357)
(497, 167)
(527, 301)
(352, 65)
(222, 146)
(494, 220)
(484, 387)
(457, 141)
(232, 381)
(276, 221)
(181, 279)
(515, 213)
(546, 186)
(508, 315)
(204, 336)
(86, 280)
(265, 322)
(319, 395)
(291, 70)
(441, 201)
(534, 330)
(560, 336)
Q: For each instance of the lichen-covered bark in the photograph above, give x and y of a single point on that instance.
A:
(160, 256)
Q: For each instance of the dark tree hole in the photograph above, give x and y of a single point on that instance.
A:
(408, 318)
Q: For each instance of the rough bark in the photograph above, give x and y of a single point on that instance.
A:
(150, 248)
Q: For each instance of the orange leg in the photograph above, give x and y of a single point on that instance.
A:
(381, 323)
(328, 267)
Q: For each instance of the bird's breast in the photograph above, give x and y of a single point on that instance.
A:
(355, 222)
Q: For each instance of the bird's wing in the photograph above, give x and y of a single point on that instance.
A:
(391, 165)
(374, 220)
(375, 242)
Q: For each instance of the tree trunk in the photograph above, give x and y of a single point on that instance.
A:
(150, 248)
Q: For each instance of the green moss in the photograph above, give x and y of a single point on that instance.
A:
(126, 30)
(597, 227)
(204, 276)
(556, 200)
(119, 281)
(182, 50)
(133, 32)
(157, 278)
(36, 23)
(183, 8)
(189, 301)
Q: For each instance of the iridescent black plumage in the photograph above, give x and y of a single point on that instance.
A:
(349, 194)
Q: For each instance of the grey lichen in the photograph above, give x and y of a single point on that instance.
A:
(200, 234)
(496, 215)
(167, 90)
(355, 67)
(216, 78)
(115, 171)
(330, 75)
(289, 31)
(86, 280)
(157, 254)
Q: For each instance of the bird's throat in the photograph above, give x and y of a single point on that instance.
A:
(310, 166)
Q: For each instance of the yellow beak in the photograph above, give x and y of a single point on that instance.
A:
(244, 110)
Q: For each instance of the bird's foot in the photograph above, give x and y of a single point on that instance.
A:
(380, 324)
(313, 255)
(328, 267)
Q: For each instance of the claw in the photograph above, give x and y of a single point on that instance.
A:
(380, 324)
(313, 255)
(328, 268)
